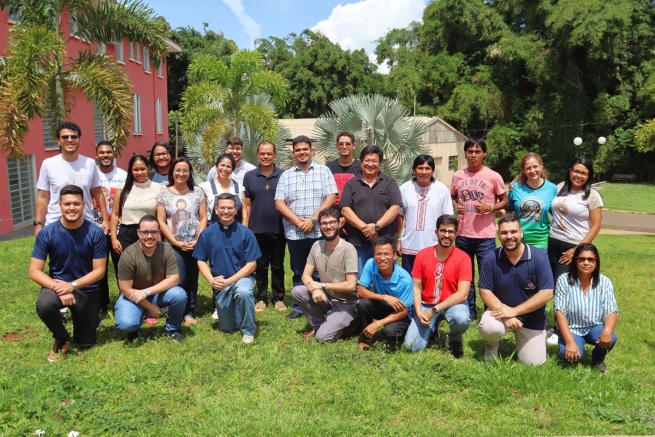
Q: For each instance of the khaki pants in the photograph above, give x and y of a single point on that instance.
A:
(530, 343)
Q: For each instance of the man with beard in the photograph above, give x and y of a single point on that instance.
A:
(77, 250)
(336, 262)
(515, 284)
(442, 279)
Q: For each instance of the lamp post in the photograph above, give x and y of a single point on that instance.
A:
(577, 141)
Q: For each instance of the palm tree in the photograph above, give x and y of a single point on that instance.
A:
(373, 120)
(39, 78)
(223, 100)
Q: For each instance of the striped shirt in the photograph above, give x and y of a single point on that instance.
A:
(303, 192)
(584, 311)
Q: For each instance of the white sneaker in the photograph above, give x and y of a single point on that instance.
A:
(64, 313)
(247, 339)
(491, 350)
(215, 315)
(552, 340)
(550, 332)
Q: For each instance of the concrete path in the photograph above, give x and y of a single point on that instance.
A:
(627, 221)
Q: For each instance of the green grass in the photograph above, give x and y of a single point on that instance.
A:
(628, 197)
(282, 385)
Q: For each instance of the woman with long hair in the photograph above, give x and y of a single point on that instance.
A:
(182, 215)
(161, 156)
(585, 309)
(223, 183)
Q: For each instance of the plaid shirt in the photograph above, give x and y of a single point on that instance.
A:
(303, 192)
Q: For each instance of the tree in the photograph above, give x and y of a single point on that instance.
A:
(39, 78)
(221, 99)
(373, 120)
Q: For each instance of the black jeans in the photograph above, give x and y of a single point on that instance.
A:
(104, 282)
(126, 236)
(370, 310)
(84, 313)
(188, 267)
(272, 247)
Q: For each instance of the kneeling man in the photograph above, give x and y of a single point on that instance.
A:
(515, 284)
(442, 280)
(227, 254)
(77, 250)
(147, 278)
(336, 262)
(386, 296)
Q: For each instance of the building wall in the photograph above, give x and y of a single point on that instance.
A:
(147, 85)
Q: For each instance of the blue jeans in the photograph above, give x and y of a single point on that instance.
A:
(598, 354)
(129, 315)
(298, 253)
(407, 262)
(418, 335)
(240, 294)
(364, 253)
(475, 248)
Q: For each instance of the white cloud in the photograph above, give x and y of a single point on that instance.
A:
(250, 26)
(356, 26)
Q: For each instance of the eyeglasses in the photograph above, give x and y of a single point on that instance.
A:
(181, 171)
(148, 233)
(589, 260)
(344, 144)
(579, 173)
(330, 224)
(371, 161)
(72, 137)
(447, 231)
(161, 155)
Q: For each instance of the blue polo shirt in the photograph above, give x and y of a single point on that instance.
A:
(399, 285)
(260, 189)
(227, 248)
(514, 284)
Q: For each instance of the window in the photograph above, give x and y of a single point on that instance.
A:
(22, 192)
(48, 142)
(72, 24)
(120, 55)
(159, 121)
(99, 125)
(14, 16)
(136, 117)
(452, 163)
(101, 48)
(137, 53)
(160, 69)
(146, 60)
(130, 50)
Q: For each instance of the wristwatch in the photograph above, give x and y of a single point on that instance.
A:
(37, 223)
(314, 221)
(323, 286)
(377, 228)
(434, 310)
(74, 284)
(148, 292)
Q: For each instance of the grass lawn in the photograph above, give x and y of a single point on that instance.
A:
(282, 385)
(628, 197)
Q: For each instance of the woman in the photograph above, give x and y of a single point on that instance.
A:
(585, 309)
(182, 215)
(530, 198)
(160, 162)
(424, 201)
(223, 183)
(137, 198)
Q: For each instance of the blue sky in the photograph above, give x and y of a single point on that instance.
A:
(354, 24)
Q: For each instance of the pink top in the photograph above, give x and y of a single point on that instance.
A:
(471, 188)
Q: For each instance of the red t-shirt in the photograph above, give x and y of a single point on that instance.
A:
(457, 267)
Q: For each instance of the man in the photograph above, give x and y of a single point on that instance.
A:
(77, 252)
(303, 191)
(336, 262)
(515, 284)
(266, 222)
(112, 178)
(227, 253)
(477, 192)
(345, 167)
(234, 147)
(69, 167)
(442, 279)
(370, 203)
(147, 278)
(385, 292)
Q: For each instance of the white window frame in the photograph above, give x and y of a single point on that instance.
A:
(160, 69)
(101, 48)
(72, 24)
(137, 53)
(130, 50)
(48, 142)
(120, 52)
(146, 60)
(159, 119)
(25, 192)
(136, 116)
(451, 163)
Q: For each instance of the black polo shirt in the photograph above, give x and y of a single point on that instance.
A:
(260, 189)
(370, 204)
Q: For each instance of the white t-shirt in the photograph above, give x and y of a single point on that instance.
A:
(110, 182)
(211, 196)
(237, 173)
(422, 206)
(57, 172)
(571, 215)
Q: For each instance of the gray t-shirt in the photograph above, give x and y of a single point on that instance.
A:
(332, 266)
(147, 271)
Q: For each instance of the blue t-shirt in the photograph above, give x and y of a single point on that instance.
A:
(399, 285)
(227, 250)
(515, 284)
(532, 206)
(71, 251)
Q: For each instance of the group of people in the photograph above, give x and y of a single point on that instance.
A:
(344, 224)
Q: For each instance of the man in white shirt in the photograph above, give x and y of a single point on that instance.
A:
(234, 147)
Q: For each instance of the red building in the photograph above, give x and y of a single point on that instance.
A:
(150, 123)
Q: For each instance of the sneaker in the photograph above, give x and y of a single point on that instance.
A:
(215, 315)
(132, 336)
(309, 334)
(260, 307)
(491, 350)
(176, 335)
(280, 306)
(363, 346)
(58, 351)
(293, 315)
(457, 349)
(552, 340)
(188, 321)
(64, 313)
(602, 369)
(247, 339)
